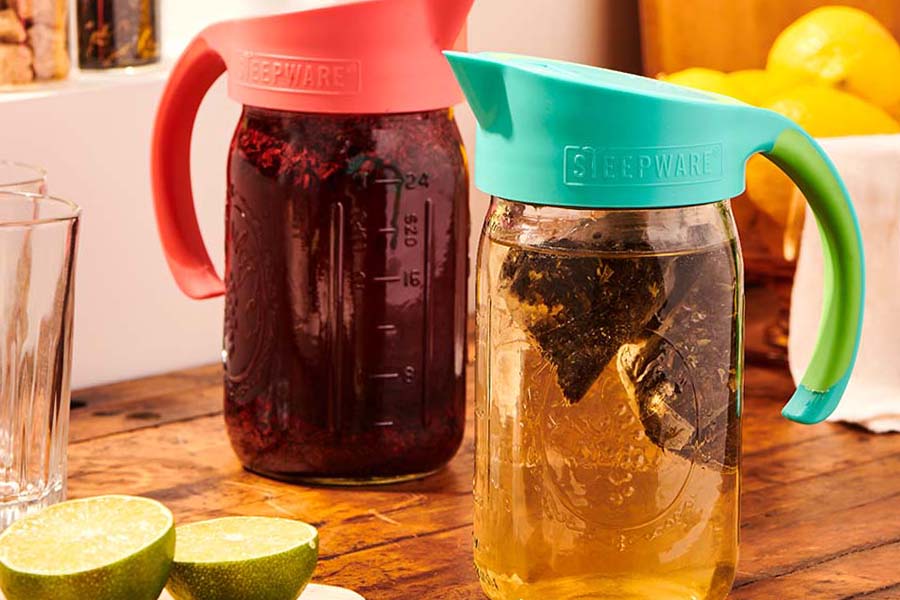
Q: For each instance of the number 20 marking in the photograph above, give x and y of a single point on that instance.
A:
(410, 230)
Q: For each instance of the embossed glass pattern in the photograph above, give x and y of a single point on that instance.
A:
(607, 403)
(346, 296)
(38, 238)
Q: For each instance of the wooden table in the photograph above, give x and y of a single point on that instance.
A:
(821, 505)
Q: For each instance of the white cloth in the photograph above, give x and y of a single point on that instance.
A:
(870, 167)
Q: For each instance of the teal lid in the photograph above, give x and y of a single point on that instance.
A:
(552, 132)
(563, 134)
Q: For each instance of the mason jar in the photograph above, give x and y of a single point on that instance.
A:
(608, 385)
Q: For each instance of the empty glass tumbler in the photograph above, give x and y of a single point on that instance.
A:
(21, 177)
(38, 239)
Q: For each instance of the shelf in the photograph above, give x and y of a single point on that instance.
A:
(86, 81)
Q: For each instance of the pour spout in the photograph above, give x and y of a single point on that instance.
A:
(447, 20)
(483, 81)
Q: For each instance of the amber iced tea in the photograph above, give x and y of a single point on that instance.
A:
(607, 420)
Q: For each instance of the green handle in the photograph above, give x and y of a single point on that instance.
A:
(825, 380)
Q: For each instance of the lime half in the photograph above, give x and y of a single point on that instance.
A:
(103, 548)
(244, 558)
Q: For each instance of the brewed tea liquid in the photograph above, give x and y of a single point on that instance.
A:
(345, 304)
(607, 424)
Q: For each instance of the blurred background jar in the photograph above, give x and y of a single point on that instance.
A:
(34, 42)
(117, 33)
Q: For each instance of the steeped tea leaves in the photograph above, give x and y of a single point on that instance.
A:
(686, 360)
(666, 320)
(580, 309)
(654, 376)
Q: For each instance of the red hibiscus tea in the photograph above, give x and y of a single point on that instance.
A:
(346, 294)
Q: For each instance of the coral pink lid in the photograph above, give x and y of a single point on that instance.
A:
(370, 56)
(363, 57)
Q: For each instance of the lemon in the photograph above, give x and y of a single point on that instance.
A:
(757, 86)
(894, 111)
(243, 558)
(842, 47)
(822, 112)
(103, 548)
(769, 188)
(827, 112)
(702, 79)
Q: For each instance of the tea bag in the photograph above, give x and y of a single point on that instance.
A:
(654, 378)
(666, 320)
(579, 310)
(681, 372)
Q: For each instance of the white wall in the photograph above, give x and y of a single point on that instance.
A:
(183, 19)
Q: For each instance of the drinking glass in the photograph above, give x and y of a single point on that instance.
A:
(19, 177)
(38, 240)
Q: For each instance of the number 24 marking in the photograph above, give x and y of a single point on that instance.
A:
(413, 181)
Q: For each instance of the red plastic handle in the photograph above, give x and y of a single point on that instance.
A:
(193, 75)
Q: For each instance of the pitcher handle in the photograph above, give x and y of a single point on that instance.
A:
(828, 373)
(194, 73)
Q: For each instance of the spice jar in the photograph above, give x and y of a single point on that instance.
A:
(117, 33)
(33, 40)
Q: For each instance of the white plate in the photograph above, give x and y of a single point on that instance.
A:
(314, 591)
(328, 592)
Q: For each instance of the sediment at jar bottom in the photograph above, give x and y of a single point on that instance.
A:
(327, 459)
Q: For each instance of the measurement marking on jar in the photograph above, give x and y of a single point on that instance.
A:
(384, 423)
(386, 278)
(388, 230)
(427, 341)
(389, 181)
(388, 328)
(385, 376)
(336, 291)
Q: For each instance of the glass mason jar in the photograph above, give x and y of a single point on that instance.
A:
(346, 266)
(608, 387)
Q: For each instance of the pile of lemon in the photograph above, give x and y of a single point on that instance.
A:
(835, 71)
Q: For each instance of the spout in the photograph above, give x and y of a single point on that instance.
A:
(483, 81)
(447, 20)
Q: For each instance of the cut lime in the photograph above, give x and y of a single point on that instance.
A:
(103, 548)
(243, 558)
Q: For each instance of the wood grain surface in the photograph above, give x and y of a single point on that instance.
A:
(820, 512)
(729, 34)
